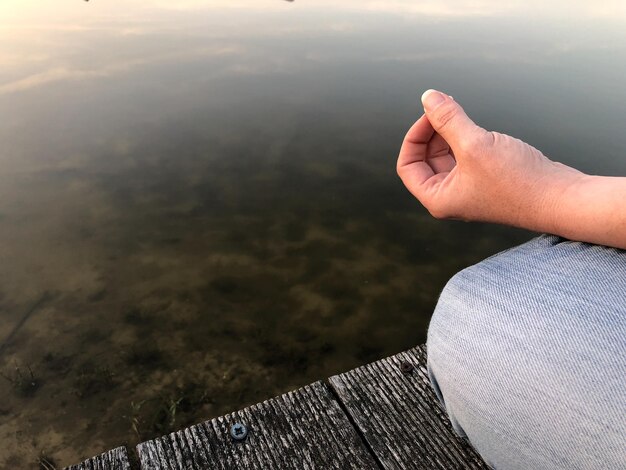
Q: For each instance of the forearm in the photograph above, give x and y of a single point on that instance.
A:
(590, 209)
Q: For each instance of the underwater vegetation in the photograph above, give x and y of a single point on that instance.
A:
(92, 379)
(45, 462)
(145, 357)
(23, 382)
(167, 410)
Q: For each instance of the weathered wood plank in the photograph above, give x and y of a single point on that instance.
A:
(116, 459)
(303, 429)
(400, 417)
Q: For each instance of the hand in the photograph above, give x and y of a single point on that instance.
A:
(459, 170)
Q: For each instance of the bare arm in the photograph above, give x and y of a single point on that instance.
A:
(459, 170)
(592, 210)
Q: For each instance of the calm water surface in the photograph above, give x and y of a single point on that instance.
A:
(198, 201)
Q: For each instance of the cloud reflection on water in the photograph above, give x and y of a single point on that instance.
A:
(34, 34)
(15, 9)
(198, 173)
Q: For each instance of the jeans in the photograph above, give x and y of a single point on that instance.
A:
(527, 353)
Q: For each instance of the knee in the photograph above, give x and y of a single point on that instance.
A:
(515, 346)
(475, 325)
(453, 317)
(479, 312)
(467, 339)
(449, 339)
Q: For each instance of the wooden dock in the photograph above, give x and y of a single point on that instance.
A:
(382, 415)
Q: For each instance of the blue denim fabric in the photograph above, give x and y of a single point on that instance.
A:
(527, 351)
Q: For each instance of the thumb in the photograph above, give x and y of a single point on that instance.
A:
(449, 120)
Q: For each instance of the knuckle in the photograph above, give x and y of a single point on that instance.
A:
(476, 142)
(446, 114)
(470, 143)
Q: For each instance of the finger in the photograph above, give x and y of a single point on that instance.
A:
(449, 119)
(415, 177)
(437, 146)
(412, 166)
(415, 142)
(442, 163)
(439, 156)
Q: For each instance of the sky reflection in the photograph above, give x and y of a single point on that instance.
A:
(486, 53)
(43, 43)
(198, 175)
(564, 9)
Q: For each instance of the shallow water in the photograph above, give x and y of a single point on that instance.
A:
(198, 203)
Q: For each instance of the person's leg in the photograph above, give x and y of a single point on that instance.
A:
(527, 351)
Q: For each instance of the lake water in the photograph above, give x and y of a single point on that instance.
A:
(198, 201)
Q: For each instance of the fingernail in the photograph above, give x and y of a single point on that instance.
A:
(431, 99)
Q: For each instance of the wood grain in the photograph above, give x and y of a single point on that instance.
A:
(116, 459)
(400, 417)
(303, 429)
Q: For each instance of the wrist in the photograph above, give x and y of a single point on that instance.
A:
(555, 194)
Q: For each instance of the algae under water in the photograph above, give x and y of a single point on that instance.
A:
(206, 194)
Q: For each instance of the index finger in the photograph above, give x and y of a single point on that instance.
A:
(412, 166)
(415, 142)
